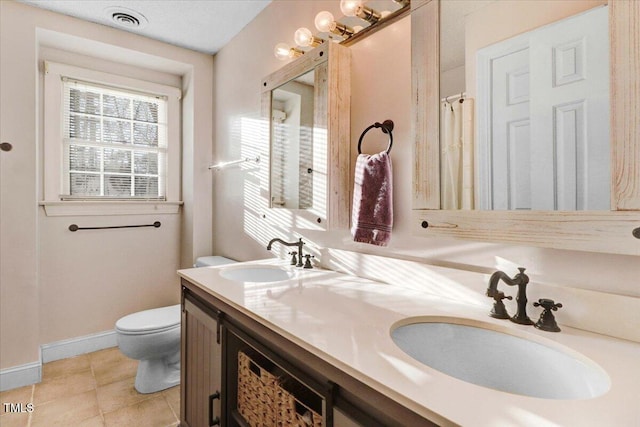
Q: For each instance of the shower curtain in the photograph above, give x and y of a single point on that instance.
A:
(456, 154)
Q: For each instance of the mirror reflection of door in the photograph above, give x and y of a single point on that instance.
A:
(292, 112)
(545, 140)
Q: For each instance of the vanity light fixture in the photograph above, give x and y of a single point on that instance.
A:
(326, 24)
(357, 8)
(283, 51)
(303, 37)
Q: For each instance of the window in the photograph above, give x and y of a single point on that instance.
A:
(114, 142)
(109, 137)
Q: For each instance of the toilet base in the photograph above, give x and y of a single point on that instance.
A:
(158, 374)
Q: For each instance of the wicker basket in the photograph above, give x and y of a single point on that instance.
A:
(263, 402)
(256, 393)
(293, 413)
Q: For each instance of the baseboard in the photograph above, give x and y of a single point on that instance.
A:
(31, 373)
(19, 376)
(77, 346)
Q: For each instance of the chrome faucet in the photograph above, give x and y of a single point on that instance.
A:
(299, 244)
(519, 280)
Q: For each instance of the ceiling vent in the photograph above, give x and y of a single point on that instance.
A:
(126, 18)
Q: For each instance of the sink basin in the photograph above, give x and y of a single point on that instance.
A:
(256, 274)
(499, 360)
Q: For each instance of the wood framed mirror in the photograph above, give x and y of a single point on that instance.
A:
(611, 231)
(307, 106)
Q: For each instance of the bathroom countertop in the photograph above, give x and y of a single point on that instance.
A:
(346, 320)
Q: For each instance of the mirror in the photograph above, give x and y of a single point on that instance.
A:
(307, 106)
(292, 143)
(610, 231)
(524, 105)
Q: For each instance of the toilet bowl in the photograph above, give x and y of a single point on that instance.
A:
(153, 338)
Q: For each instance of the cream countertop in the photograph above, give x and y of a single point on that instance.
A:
(346, 321)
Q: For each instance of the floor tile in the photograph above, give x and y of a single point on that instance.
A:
(93, 390)
(60, 368)
(173, 398)
(154, 412)
(67, 411)
(119, 394)
(17, 395)
(14, 420)
(58, 387)
(107, 355)
(111, 365)
(96, 421)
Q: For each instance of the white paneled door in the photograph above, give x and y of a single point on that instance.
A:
(544, 137)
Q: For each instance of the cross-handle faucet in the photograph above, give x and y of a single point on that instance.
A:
(521, 281)
(299, 244)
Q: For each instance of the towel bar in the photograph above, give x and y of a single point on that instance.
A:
(74, 227)
(387, 127)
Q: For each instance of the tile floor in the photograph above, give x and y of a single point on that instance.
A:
(94, 389)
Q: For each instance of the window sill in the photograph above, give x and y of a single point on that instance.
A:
(96, 208)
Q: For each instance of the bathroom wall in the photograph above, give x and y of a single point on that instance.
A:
(381, 82)
(67, 285)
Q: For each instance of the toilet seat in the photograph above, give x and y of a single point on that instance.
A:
(150, 321)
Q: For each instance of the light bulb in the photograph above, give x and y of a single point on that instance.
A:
(282, 51)
(303, 37)
(357, 8)
(350, 7)
(324, 21)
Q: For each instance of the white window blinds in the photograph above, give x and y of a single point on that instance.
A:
(114, 143)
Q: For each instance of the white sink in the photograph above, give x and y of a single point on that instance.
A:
(499, 360)
(256, 274)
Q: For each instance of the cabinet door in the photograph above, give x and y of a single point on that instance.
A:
(340, 419)
(201, 365)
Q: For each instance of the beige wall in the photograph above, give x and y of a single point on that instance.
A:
(19, 319)
(59, 285)
(380, 89)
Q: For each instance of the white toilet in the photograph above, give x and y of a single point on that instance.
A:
(153, 338)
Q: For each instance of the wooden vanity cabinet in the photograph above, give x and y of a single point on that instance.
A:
(213, 332)
(201, 363)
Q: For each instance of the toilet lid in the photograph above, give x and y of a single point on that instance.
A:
(156, 319)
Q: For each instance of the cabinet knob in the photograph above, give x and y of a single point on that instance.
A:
(6, 146)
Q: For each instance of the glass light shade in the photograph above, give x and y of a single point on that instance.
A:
(350, 7)
(324, 21)
(282, 51)
(303, 37)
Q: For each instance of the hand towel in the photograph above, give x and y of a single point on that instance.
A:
(372, 214)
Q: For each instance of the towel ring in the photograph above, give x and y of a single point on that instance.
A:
(387, 127)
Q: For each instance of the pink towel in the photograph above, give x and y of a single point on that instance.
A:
(372, 214)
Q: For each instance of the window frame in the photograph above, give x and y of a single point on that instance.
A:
(53, 149)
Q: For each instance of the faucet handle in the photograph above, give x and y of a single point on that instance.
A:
(294, 260)
(499, 311)
(307, 263)
(547, 304)
(547, 321)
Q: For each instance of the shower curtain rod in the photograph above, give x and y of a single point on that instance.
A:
(461, 95)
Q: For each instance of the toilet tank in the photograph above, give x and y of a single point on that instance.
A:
(211, 261)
